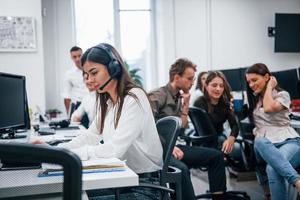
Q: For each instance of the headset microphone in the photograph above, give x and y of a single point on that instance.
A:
(105, 84)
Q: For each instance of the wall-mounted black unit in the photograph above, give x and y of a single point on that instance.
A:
(287, 32)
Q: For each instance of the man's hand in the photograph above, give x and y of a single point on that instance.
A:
(186, 102)
(177, 153)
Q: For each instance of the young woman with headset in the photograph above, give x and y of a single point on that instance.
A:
(124, 126)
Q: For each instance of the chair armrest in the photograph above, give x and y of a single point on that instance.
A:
(158, 187)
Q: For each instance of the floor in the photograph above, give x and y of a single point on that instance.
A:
(200, 182)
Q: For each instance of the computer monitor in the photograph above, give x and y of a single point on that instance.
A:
(287, 32)
(289, 81)
(13, 105)
(234, 78)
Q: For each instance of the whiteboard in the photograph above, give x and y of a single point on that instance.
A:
(17, 34)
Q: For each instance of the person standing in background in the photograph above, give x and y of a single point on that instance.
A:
(73, 86)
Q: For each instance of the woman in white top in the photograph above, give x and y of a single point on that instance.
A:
(124, 126)
(276, 143)
(199, 87)
(87, 106)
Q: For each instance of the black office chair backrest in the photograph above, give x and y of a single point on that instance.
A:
(72, 186)
(168, 129)
(201, 122)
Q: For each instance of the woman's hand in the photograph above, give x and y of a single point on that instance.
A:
(177, 153)
(231, 104)
(272, 82)
(37, 141)
(228, 145)
(76, 119)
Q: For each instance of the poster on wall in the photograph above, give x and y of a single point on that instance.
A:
(17, 34)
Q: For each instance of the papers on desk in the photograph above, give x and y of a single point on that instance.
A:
(90, 166)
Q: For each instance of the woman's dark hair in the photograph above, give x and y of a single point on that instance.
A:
(124, 85)
(260, 69)
(199, 84)
(226, 96)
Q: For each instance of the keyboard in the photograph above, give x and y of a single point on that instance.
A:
(295, 117)
(55, 142)
(46, 131)
(18, 165)
(67, 128)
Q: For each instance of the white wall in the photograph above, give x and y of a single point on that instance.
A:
(215, 34)
(30, 64)
(240, 37)
(59, 37)
(218, 34)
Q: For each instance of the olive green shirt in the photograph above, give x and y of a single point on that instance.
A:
(165, 101)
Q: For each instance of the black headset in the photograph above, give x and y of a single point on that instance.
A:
(114, 68)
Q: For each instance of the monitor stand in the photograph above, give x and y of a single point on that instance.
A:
(11, 134)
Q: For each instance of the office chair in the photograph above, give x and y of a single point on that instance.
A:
(168, 129)
(72, 186)
(205, 134)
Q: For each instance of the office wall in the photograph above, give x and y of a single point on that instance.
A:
(30, 64)
(59, 37)
(218, 34)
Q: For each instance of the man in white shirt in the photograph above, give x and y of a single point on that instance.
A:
(74, 88)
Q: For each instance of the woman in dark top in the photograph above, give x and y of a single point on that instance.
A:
(217, 103)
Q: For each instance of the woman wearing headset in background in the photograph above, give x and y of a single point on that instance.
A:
(124, 121)
(276, 144)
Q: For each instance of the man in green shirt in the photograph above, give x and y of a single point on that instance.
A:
(173, 100)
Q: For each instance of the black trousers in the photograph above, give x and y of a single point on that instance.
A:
(196, 157)
(84, 120)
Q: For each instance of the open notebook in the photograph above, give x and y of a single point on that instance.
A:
(90, 166)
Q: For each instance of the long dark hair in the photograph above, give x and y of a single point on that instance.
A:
(260, 69)
(226, 96)
(124, 82)
(199, 84)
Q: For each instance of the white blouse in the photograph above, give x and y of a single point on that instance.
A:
(135, 139)
(88, 106)
(73, 85)
(274, 126)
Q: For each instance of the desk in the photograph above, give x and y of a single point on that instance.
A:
(60, 134)
(26, 182)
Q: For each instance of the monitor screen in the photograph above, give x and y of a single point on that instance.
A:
(287, 32)
(12, 101)
(234, 78)
(289, 81)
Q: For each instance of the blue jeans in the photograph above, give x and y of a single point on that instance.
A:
(281, 159)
